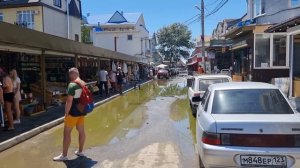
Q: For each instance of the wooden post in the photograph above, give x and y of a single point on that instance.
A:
(76, 60)
(43, 76)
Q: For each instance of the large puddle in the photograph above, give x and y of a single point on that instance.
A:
(108, 124)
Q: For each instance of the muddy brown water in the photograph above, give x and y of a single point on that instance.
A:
(108, 124)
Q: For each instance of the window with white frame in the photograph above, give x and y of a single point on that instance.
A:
(270, 51)
(294, 3)
(279, 50)
(1, 17)
(26, 18)
(258, 7)
(262, 50)
(57, 3)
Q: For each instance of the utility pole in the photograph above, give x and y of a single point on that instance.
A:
(203, 34)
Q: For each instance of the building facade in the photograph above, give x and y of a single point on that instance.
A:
(54, 17)
(255, 54)
(121, 32)
(272, 11)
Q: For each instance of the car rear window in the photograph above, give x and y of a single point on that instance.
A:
(204, 83)
(250, 101)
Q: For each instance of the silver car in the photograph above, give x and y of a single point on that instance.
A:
(199, 86)
(247, 125)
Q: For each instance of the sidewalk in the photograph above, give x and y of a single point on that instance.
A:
(30, 122)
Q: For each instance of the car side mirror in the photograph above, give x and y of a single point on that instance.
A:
(197, 99)
(190, 82)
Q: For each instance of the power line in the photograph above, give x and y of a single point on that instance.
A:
(217, 8)
(212, 3)
(192, 18)
(193, 21)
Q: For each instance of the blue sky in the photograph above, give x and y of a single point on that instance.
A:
(159, 13)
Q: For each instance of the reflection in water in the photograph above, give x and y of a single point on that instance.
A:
(109, 123)
(182, 115)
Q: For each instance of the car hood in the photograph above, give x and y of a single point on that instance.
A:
(257, 123)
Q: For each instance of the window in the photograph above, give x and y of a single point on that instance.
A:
(262, 50)
(1, 17)
(271, 51)
(205, 83)
(129, 37)
(258, 7)
(76, 37)
(294, 3)
(26, 19)
(279, 50)
(57, 3)
(250, 101)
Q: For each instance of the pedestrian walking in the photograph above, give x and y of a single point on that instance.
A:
(73, 117)
(120, 79)
(113, 80)
(103, 78)
(1, 106)
(17, 95)
(8, 96)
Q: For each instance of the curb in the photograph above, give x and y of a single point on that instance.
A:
(27, 135)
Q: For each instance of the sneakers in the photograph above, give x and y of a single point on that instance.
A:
(80, 154)
(60, 158)
(17, 122)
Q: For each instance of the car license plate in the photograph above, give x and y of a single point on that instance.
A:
(263, 161)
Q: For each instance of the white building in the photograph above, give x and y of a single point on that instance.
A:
(55, 17)
(121, 32)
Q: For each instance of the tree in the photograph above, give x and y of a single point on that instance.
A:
(174, 41)
(85, 34)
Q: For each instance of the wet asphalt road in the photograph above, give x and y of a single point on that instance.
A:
(152, 127)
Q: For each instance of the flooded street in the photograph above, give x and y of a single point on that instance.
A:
(152, 127)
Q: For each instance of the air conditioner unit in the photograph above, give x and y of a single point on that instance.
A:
(35, 12)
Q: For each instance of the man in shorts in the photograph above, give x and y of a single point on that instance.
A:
(73, 117)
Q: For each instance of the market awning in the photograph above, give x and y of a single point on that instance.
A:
(27, 38)
(162, 66)
(283, 26)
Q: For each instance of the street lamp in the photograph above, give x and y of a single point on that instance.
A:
(202, 28)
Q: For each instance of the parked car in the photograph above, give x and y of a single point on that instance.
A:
(163, 73)
(200, 85)
(226, 72)
(247, 125)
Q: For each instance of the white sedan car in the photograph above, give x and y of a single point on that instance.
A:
(247, 125)
(199, 86)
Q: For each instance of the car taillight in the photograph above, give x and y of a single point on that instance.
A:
(297, 140)
(225, 139)
(211, 138)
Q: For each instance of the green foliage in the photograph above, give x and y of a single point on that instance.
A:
(85, 34)
(175, 41)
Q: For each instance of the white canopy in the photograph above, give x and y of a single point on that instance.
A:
(162, 66)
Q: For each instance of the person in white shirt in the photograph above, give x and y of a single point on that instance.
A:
(103, 78)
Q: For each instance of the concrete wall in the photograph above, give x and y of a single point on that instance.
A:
(55, 22)
(10, 16)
